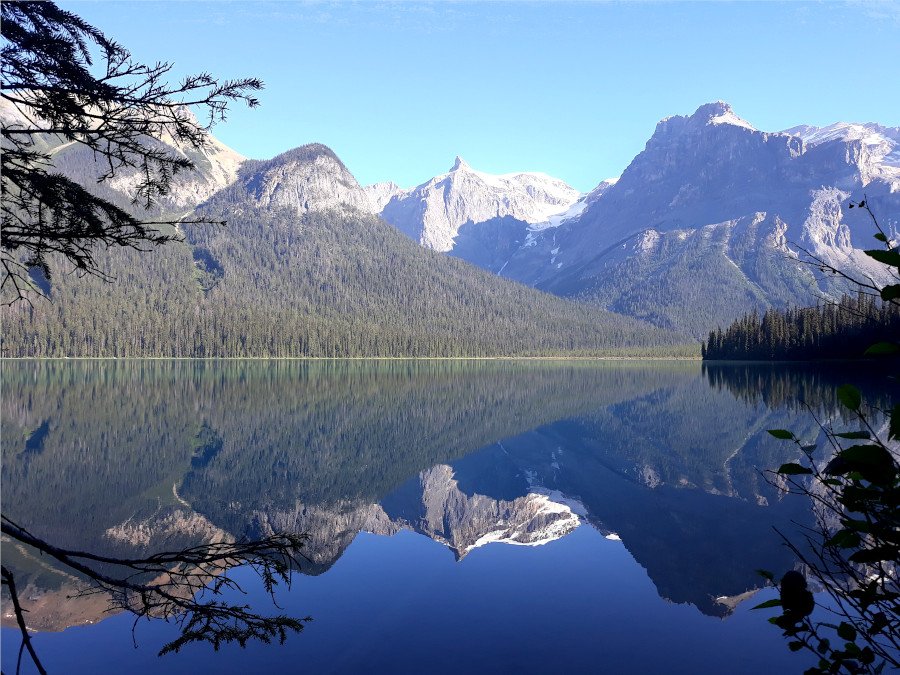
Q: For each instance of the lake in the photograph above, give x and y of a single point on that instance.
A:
(490, 516)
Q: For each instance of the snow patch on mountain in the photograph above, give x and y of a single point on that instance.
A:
(727, 116)
(464, 522)
(878, 147)
(571, 214)
(432, 213)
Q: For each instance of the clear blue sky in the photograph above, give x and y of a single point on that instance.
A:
(398, 89)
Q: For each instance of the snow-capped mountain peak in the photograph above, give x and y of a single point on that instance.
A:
(459, 164)
(433, 212)
(725, 115)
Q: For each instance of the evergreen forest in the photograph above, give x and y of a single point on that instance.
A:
(339, 283)
(835, 330)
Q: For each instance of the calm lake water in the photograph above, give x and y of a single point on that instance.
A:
(463, 516)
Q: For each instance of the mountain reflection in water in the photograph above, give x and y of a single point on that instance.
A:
(128, 458)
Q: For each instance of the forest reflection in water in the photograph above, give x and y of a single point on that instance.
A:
(131, 457)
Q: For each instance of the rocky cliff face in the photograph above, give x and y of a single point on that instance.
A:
(715, 212)
(308, 178)
(432, 213)
(216, 166)
(434, 505)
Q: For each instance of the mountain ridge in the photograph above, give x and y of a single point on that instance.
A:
(713, 212)
(304, 269)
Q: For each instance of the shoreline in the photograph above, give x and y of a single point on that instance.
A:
(350, 358)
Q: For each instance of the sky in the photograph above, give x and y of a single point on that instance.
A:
(399, 89)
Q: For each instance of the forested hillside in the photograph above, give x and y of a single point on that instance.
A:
(831, 331)
(280, 281)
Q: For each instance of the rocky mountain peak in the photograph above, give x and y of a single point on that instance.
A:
(715, 114)
(308, 178)
(433, 212)
(381, 193)
(714, 109)
(459, 164)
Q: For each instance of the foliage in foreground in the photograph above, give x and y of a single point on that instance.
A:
(853, 549)
(49, 76)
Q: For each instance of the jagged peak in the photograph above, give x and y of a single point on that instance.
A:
(459, 163)
(720, 112)
(713, 109)
(708, 114)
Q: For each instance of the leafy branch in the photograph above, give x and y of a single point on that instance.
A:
(853, 549)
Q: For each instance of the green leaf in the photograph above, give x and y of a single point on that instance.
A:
(766, 574)
(774, 602)
(891, 292)
(844, 539)
(793, 469)
(874, 462)
(874, 555)
(882, 349)
(891, 257)
(849, 396)
(824, 644)
(867, 656)
(879, 621)
(846, 632)
(880, 237)
(864, 435)
(795, 646)
(783, 434)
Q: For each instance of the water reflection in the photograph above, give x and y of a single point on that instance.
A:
(128, 458)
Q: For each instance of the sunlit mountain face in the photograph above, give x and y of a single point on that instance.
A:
(713, 213)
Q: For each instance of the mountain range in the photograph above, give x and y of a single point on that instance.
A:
(712, 214)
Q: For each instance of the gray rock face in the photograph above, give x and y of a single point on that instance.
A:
(433, 213)
(713, 213)
(308, 178)
(216, 166)
(463, 522)
(381, 193)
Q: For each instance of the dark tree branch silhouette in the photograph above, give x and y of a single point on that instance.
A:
(183, 586)
(854, 549)
(118, 109)
(123, 112)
